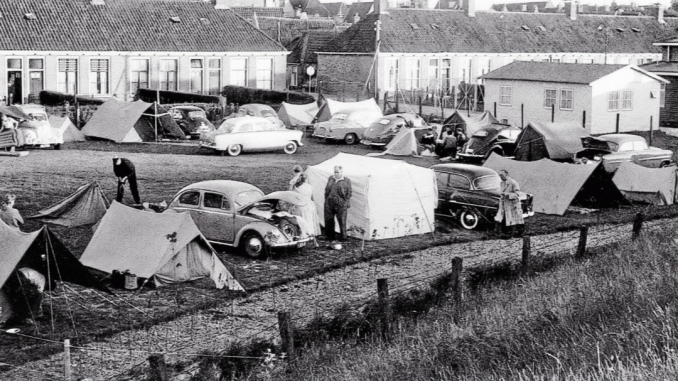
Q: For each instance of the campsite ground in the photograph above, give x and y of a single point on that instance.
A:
(44, 177)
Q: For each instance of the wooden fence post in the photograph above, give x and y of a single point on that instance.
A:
(420, 106)
(385, 98)
(495, 110)
(522, 115)
(651, 131)
(583, 119)
(67, 359)
(457, 265)
(553, 113)
(583, 235)
(616, 128)
(286, 333)
(385, 306)
(158, 370)
(526, 252)
(637, 226)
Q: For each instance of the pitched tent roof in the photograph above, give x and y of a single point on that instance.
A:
(555, 186)
(129, 25)
(555, 141)
(125, 122)
(471, 123)
(85, 206)
(297, 115)
(331, 107)
(649, 185)
(165, 247)
(434, 31)
(406, 142)
(391, 198)
(68, 130)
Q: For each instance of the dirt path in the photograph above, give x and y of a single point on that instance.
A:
(256, 315)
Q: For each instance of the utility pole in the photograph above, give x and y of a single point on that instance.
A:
(377, 42)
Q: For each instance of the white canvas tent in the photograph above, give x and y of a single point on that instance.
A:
(331, 107)
(166, 248)
(297, 115)
(406, 142)
(650, 185)
(68, 130)
(391, 198)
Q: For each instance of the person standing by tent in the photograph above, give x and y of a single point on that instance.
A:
(429, 140)
(308, 211)
(461, 138)
(510, 212)
(297, 172)
(337, 201)
(449, 146)
(8, 214)
(125, 172)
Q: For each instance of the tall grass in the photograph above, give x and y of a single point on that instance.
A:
(611, 317)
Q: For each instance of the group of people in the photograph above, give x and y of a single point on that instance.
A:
(447, 144)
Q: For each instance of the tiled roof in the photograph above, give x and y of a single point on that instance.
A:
(126, 25)
(517, 7)
(361, 8)
(248, 12)
(285, 29)
(311, 7)
(661, 67)
(552, 72)
(336, 8)
(304, 47)
(426, 31)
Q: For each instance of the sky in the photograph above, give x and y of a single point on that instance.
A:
(486, 4)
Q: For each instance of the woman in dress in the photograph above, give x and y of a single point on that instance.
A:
(308, 211)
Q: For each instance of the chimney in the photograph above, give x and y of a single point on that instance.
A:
(221, 4)
(297, 12)
(470, 7)
(380, 6)
(356, 17)
(523, 8)
(536, 9)
(504, 8)
(660, 14)
(573, 10)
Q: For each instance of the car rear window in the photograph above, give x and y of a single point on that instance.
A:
(267, 113)
(246, 197)
(487, 182)
(190, 198)
(459, 182)
(227, 126)
(197, 114)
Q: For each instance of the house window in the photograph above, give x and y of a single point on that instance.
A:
(433, 74)
(265, 73)
(98, 76)
(639, 61)
(662, 95)
(613, 101)
(505, 95)
(627, 100)
(214, 79)
(168, 74)
(36, 76)
(464, 70)
(556, 60)
(14, 80)
(67, 76)
(138, 74)
(392, 79)
(413, 68)
(446, 75)
(294, 75)
(239, 71)
(196, 75)
(566, 99)
(550, 97)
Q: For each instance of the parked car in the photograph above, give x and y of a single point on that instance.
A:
(347, 125)
(249, 134)
(238, 214)
(192, 120)
(627, 147)
(497, 138)
(471, 194)
(384, 129)
(35, 128)
(259, 110)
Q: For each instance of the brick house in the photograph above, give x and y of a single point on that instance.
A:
(435, 51)
(667, 68)
(592, 95)
(110, 48)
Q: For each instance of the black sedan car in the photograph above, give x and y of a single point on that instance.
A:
(470, 194)
(497, 138)
(192, 120)
(384, 129)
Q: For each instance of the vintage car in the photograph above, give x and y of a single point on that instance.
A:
(470, 194)
(347, 125)
(192, 120)
(498, 138)
(238, 214)
(257, 109)
(250, 134)
(627, 147)
(34, 129)
(382, 131)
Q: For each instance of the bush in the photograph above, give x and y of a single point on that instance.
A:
(244, 95)
(55, 98)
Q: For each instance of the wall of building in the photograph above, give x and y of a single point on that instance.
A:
(668, 115)
(344, 74)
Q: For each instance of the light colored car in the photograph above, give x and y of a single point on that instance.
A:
(251, 133)
(627, 147)
(384, 129)
(35, 127)
(238, 214)
(347, 125)
(257, 109)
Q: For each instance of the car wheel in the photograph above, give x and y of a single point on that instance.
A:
(234, 149)
(664, 164)
(288, 228)
(469, 219)
(57, 146)
(290, 147)
(253, 245)
(351, 139)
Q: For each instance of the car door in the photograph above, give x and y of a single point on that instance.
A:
(269, 137)
(216, 217)
(443, 191)
(460, 190)
(189, 201)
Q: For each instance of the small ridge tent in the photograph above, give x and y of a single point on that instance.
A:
(85, 206)
(555, 141)
(471, 123)
(68, 130)
(131, 122)
(557, 185)
(331, 107)
(391, 198)
(406, 142)
(42, 251)
(649, 185)
(162, 247)
(297, 115)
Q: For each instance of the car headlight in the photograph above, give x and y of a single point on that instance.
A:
(273, 236)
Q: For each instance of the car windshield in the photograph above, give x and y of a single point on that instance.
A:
(510, 133)
(487, 182)
(268, 113)
(38, 117)
(247, 197)
(384, 122)
(197, 114)
(339, 117)
(227, 126)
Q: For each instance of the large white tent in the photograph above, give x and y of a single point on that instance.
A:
(391, 198)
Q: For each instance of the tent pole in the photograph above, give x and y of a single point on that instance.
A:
(431, 226)
(155, 120)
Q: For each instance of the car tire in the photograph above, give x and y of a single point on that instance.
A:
(290, 147)
(253, 245)
(288, 228)
(351, 139)
(57, 147)
(664, 164)
(234, 149)
(469, 219)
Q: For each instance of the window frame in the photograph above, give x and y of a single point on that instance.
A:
(201, 75)
(662, 95)
(219, 71)
(624, 100)
(564, 99)
(179, 199)
(612, 100)
(412, 73)
(132, 71)
(94, 91)
(503, 96)
(162, 74)
(231, 71)
(554, 99)
(465, 179)
(30, 71)
(264, 83)
(75, 75)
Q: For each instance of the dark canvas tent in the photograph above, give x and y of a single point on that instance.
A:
(68, 130)
(42, 251)
(555, 141)
(131, 122)
(85, 206)
(648, 185)
(557, 185)
(163, 247)
(471, 123)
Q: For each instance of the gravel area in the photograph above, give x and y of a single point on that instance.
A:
(255, 316)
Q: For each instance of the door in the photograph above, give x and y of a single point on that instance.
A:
(14, 83)
(217, 217)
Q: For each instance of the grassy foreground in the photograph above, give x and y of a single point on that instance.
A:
(610, 317)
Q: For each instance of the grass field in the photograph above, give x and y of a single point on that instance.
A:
(44, 177)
